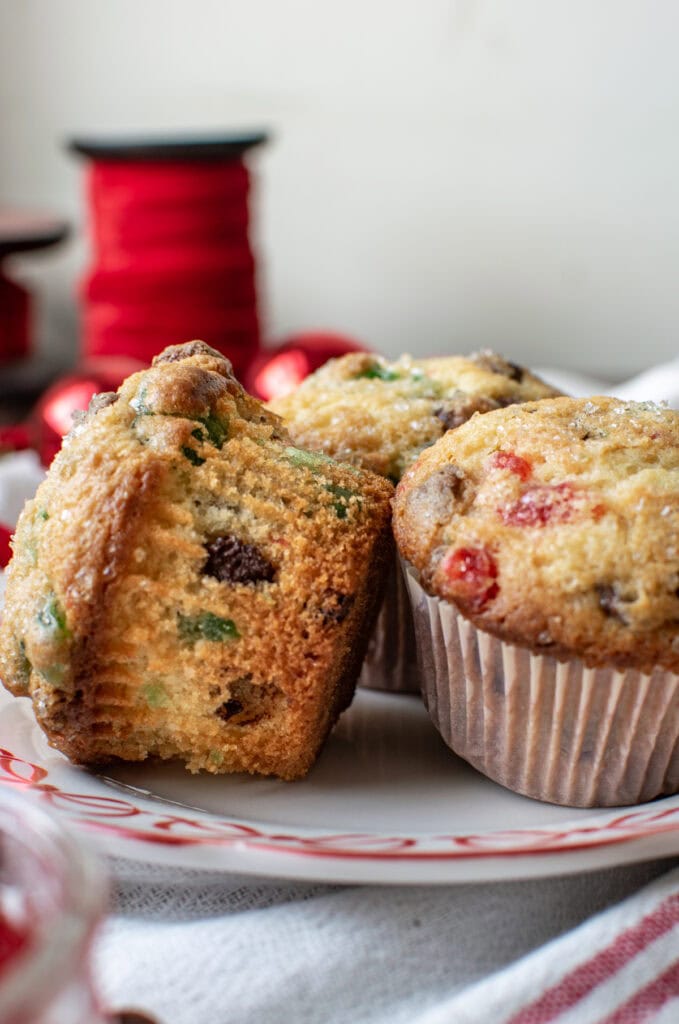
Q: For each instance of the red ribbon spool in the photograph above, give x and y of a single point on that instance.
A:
(21, 232)
(172, 259)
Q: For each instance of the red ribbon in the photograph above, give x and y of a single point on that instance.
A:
(172, 259)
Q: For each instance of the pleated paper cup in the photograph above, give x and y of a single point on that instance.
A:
(391, 660)
(552, 730)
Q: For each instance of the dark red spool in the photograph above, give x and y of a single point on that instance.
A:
(172, 258)
(21, 231)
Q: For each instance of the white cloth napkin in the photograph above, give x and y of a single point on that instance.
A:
(657, 384)
(197, 948)
(229, 951)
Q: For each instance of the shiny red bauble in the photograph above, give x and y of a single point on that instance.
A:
(278, 371)
(5, 549)
(53, 415)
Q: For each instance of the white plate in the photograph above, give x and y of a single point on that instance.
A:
(386, 803)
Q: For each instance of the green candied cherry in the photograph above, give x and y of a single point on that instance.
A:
(23, 665)
(316, 462)
(139, 403)
(53, 673)
(52, 618)
(217, 430)
(32, 535)
(343, 494)
(206, 626)
(155, 695)
(376, 371)
(212, 428)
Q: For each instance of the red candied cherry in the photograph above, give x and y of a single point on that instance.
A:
(471, 574)
(543, 504)
(514, 463)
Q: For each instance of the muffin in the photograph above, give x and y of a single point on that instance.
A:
(380, 415)
(187, 583)
(542, 546)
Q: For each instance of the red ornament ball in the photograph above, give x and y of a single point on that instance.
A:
(53, 415)
(5, 549)
(278, 371)
(15, 438)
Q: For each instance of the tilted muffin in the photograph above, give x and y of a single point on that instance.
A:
(380, 415)
(187, 583)
(544, 546)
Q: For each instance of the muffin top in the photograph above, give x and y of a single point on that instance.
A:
(555, 525)
(380, 415)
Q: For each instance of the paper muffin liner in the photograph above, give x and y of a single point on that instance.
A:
(552, 730)
(391, 660)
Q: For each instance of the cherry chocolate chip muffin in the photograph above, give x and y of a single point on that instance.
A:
(380, 415)
(188, 583)
(542, 545)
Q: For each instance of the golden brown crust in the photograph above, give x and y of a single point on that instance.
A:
(555, 526)
(187, 583)
(380, 415)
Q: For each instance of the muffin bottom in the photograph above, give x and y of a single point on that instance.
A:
(390, 663)
(553, 730)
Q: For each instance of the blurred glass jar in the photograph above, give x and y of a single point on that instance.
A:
(52, 894)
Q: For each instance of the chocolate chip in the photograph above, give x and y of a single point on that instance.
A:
(248, 702)
(461, 407)
(229, 709)
(97, 402)
(489, 360)
(231, 560)
(334, 606)
(101, 401)
(612, 601)
(131, 1017)
(502, 401)
(435, 497)
(175, 353)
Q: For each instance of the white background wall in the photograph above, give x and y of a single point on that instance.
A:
(444, 174)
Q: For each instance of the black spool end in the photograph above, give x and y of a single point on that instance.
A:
(25, 231)
(218, 147)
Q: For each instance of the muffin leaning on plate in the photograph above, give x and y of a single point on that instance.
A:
(380, 415)
(542, 543)
(188, 583)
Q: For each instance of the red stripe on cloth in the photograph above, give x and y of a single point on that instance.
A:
(581, 981)
(5, 549)
(645, 1003)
